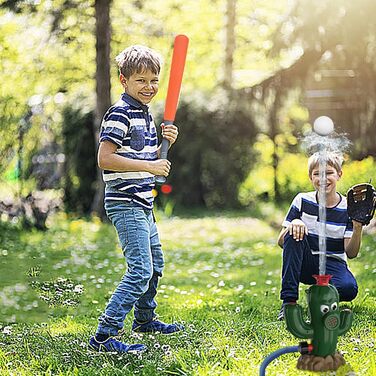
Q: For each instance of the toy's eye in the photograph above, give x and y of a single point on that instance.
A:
(334, 306)
(324, 308)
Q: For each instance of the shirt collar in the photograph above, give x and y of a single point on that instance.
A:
(133, 102)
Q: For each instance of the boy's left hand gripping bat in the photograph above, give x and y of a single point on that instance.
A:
(176, 76)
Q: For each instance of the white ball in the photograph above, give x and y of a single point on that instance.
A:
(323, 125)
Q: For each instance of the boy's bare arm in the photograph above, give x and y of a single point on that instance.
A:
(281, 236)
(297, 229)
(109, 160)
(352, 245)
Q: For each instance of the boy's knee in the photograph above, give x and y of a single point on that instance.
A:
(140, 278)
(348, 292)
(146, 277)
(289, 243)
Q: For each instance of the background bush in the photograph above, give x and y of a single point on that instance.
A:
(213, 154)
(80, 160)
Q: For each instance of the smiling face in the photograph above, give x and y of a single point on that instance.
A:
(141, 86)
(332, 177)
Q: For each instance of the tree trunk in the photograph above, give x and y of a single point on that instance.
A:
(103, 85)
(229, 46)
(273, 119)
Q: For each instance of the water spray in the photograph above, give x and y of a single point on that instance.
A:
(323, 126)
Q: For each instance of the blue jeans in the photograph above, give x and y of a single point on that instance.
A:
(299, 264)
(141, 247)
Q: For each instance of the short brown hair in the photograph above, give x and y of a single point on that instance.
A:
(137, 59)
(332, 159)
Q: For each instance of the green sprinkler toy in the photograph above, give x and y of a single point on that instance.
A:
(327, 321)
(326, 324)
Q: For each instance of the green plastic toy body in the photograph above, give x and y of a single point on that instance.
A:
(327, 321)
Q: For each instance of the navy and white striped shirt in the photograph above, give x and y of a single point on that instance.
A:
(129, 125)
(338, 224)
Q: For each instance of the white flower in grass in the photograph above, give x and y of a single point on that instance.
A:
(237, 309)
(7, 330)
(166, 348)
(157, 345)
(78, 289)
(221, 283)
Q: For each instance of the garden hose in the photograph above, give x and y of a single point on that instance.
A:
(303, 348)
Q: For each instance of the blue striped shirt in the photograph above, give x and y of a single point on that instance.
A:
(338, 224)
(130, 126)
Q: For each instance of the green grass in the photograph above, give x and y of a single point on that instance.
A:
(221, 280)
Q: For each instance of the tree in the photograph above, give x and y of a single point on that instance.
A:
(103, 84)
(229, 45)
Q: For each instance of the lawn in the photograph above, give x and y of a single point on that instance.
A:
(221, 280)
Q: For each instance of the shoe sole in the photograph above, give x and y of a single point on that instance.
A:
(164, 334)
(136, 352)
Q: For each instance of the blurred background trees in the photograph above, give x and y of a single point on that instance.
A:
(257, 74)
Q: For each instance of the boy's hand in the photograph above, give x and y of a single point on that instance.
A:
(160, 167)
(297, 229)
(170, 132)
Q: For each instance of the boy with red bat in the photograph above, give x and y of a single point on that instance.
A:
(128, 154)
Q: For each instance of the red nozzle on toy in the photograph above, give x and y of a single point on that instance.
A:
(322, 279)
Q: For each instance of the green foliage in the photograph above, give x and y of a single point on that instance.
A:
(222, 279)
(293, 177)
(213, 152)
(356, 172)
(256, 21)
(80, 163)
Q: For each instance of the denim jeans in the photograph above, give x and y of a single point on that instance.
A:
(299, 264)
(141, 247)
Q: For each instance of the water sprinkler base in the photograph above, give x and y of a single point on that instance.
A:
(315, 363)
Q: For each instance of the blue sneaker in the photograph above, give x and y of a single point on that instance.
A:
(113, 345)
(156, 326)
(281, 314)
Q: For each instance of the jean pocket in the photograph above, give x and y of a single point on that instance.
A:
(137, 138)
